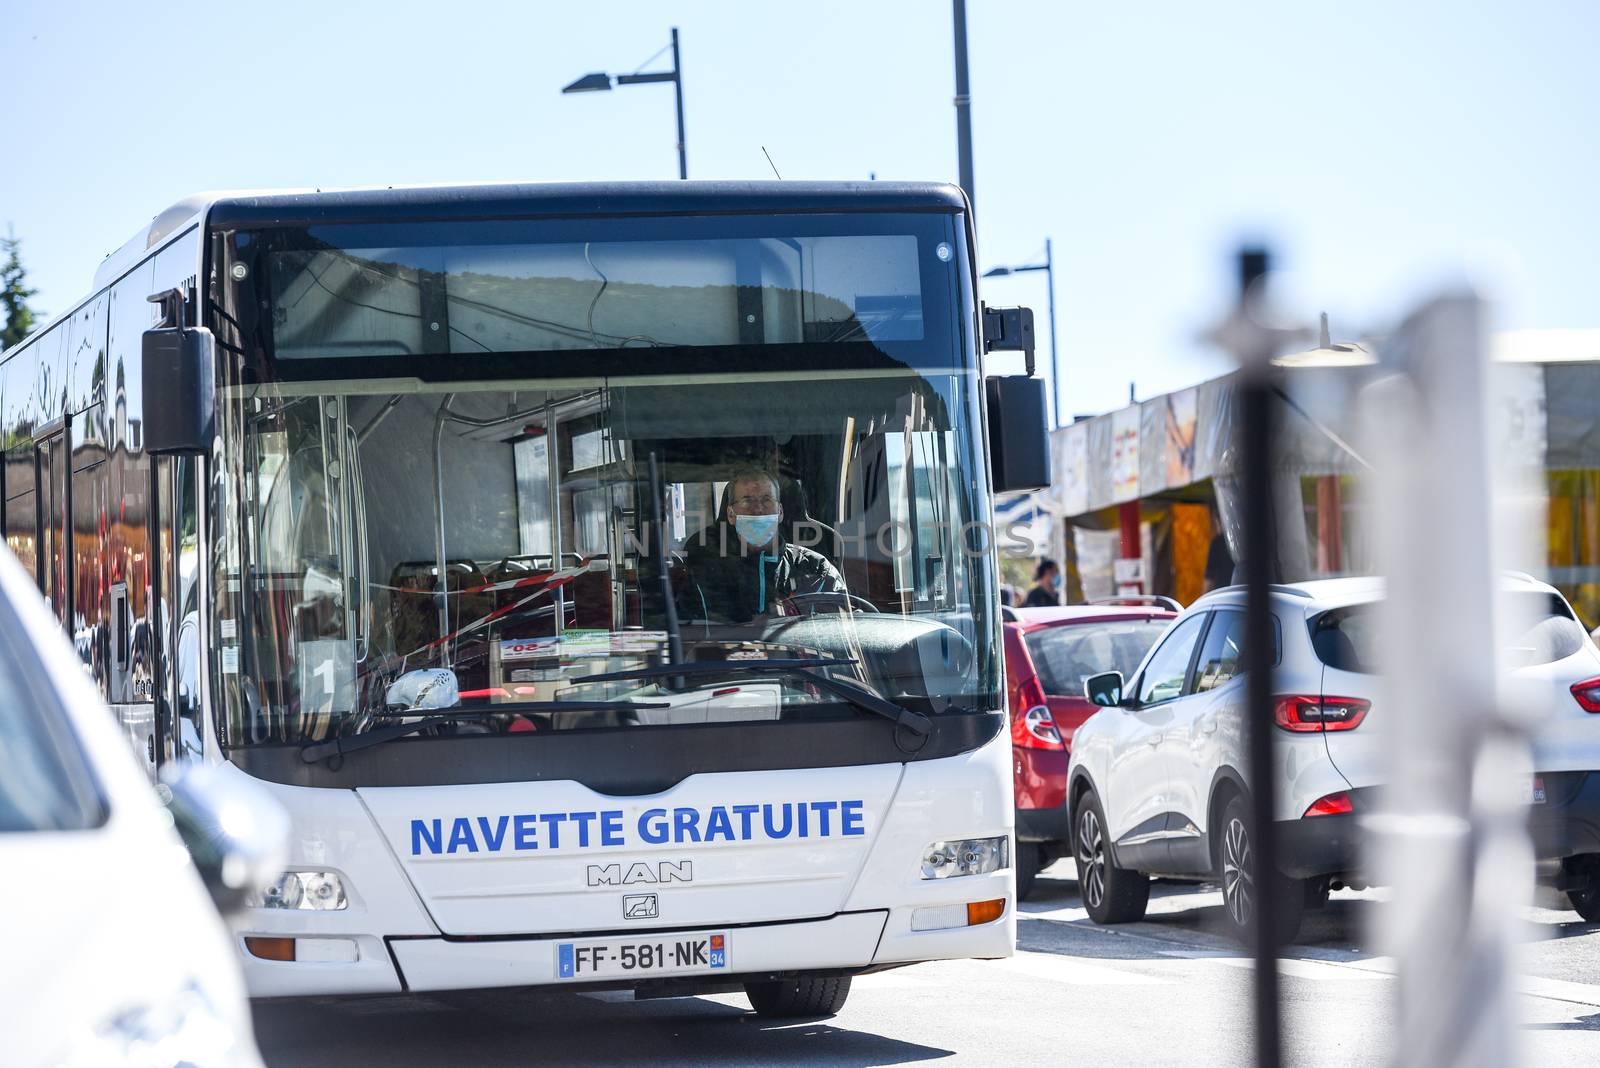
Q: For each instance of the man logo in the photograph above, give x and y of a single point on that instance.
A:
(640, 907)
(667, 871)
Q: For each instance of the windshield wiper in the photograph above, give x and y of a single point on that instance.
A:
(354, 743)
(852, 692)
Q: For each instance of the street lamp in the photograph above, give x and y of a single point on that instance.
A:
(1048, 267)
(594, 83)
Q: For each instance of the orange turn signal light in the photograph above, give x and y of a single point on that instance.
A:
(985, 911)
(283, 948)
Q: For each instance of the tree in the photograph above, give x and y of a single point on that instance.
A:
(14, 293)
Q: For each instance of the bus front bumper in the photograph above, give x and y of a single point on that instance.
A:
(843, 944)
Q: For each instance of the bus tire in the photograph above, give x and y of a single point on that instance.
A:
(791, 998)
(1029, 861)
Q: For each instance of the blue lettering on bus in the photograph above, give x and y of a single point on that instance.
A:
(492, 839)
(766, 820)
(717, 823)
(461, 835)
(685, 825)
(426, 833)
(526, 831)
(744, 813)
(653, 826)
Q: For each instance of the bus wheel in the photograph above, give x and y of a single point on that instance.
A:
(788, 998)
(1029, 861)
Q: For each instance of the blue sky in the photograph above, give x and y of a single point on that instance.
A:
(1382, 148)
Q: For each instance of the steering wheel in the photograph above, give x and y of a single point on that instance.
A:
(799, 601)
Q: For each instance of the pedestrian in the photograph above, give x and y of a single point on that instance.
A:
(1219, 561)
(1046, 585)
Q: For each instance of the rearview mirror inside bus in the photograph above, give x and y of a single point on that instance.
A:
(1019, 445)
(177, 369)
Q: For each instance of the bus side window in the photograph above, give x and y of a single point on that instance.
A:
(91, 618)
(22, 508)
(128, 484)
(90, 621)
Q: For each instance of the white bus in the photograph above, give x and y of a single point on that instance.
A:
(599, 574)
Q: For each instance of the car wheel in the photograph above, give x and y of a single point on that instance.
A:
(1029, 861)
(1110, 894)
(1242, 885)
(790, 998)
(1586, 902)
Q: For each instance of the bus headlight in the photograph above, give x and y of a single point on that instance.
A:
(966, 856)
(320, 891)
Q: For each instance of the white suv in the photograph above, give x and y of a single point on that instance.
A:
(1157, 783)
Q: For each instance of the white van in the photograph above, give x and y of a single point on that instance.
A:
(114, 951)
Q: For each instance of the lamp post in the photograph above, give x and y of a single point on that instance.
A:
(963, 102)
(600, 82)
(1048, 267)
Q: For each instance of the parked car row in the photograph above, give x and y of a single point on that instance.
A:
(1050, 652)
(1139, 771)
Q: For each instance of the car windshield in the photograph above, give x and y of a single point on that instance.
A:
(44, 784)
(1066, 655)
(391, 544)
(1347, 639)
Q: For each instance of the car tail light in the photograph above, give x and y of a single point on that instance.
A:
(1333, 805)
(1035, 727)
(1588, 694)
(1305, 714)
(1041, 725)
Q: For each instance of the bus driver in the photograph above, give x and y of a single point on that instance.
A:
(741, 567)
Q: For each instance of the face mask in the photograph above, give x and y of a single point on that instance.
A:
(756, 530)
(1055, 582)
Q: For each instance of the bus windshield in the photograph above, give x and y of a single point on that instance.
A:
(470, 475)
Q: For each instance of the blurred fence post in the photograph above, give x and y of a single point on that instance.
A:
(1254, 341)
(1448, 836)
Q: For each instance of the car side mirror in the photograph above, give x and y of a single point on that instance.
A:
(237, 834)
(177, 366)
(1104, 689)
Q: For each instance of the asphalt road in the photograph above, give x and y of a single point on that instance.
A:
(1171, 990)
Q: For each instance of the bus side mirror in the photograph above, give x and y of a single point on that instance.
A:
(1019, 446)
(177, 369)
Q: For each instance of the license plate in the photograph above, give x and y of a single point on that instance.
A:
(1533, 790)
(622, 958)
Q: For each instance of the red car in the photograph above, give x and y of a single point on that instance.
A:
(1049, 652)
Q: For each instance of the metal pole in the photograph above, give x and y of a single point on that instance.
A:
(1055, 363)
(1451, 837)
(1255, 440)
(677, 88)
(963, 103)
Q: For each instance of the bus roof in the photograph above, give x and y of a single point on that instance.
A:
(303, 207)
(256, 207)
(579, 199)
